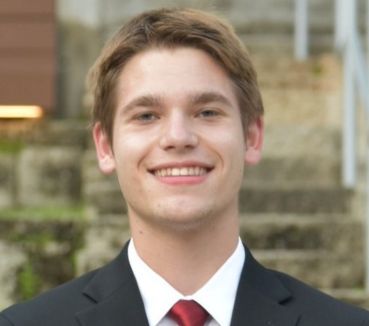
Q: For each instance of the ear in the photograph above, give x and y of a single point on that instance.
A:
(254, 141)
(104, 150)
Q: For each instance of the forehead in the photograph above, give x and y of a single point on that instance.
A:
(172, 73)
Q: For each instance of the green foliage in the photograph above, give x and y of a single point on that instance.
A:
(11, 146)
(65, 213)
(317, 70)
(29, 282)
(37, 240)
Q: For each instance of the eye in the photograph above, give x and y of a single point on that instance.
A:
(208, 113)
(146, 117)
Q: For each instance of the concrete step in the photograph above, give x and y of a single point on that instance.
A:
(320, 269)
(268, 18)
(302, 172)
(274, 40)
(298, 156)
(317, 72)
(272, 15)
(289, 200)
(302, 107)
(302, 121)
(291, 83)
(338, 233)
(273, 45)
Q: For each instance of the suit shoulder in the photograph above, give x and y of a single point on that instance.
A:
(317, 305)
(4, 321)
(56, 305)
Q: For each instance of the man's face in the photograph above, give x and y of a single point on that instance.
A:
(178, 145)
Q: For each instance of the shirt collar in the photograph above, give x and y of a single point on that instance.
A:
(217, 296)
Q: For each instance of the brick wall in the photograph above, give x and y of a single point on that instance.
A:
(27, 52)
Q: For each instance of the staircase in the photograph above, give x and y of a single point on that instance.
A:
(295, 215)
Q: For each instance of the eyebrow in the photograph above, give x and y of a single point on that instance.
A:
(144, 101)
(207, 97)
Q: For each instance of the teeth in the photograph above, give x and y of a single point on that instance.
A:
(183, 171)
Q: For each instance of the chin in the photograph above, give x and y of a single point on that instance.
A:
(182, 219)
(174, 214)
(194, 218)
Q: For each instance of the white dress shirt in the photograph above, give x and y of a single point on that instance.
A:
(217, 296)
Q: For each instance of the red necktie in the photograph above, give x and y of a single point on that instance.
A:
(188, 313)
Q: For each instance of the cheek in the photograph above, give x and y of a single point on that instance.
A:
(234, 152)
(130, 151)
(231, 142)
(230, 151)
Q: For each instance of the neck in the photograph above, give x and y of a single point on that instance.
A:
(186, 258)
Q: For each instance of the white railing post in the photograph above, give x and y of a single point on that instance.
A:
(367, 33)
(367, 163)
(301, 30)
(366, 234)
(339, 29)
(349, 116)
(356, 82)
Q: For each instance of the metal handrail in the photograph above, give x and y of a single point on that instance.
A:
(356, 81)
(301, 30)
(361, 73)
(356, 86)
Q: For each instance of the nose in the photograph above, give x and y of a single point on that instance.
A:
(178, 133)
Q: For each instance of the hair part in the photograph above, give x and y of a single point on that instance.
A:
(171, 28)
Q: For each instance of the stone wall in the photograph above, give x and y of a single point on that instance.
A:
(36, 254)
(47, 233)
(41, 167)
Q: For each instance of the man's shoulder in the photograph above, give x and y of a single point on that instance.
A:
(319, 308)
(57, 305)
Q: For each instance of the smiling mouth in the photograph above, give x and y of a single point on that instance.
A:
(192, 171)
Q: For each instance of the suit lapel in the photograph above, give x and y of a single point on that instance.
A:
(116, 296)
(260, 298)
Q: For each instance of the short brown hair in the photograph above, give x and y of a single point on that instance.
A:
(169, 28)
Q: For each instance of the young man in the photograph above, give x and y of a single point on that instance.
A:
(177, 115)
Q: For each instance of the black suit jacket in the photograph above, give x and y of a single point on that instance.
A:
(110, 297)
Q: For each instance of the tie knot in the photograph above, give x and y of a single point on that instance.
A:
(188, 313)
